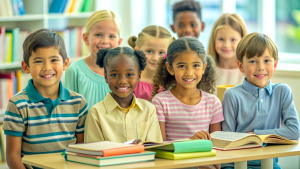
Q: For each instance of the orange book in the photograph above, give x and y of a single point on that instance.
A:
(105, 148)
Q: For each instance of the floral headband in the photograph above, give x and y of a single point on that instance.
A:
(165, 56)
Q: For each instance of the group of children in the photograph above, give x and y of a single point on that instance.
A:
(161, 89)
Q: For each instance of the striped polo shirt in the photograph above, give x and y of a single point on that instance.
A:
(45, 126)
(183, 121)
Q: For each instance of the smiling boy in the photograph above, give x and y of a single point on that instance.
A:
(258, 106)
(187, 19)
(45, 117)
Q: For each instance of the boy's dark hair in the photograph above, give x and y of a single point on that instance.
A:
(105, 55)
(255, 44)
(43, 38)
(187, 5)
(167, 81)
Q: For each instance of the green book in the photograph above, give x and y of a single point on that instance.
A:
(185, 146)
(178, 156)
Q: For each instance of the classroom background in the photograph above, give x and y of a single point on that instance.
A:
(279, 19)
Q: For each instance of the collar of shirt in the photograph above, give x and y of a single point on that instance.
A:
(111, 104)
(35, 96)
(254, 90)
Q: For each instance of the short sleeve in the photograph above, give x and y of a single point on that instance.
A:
(217, 112)
(82, 116)
(159, 108)
(154, 132)
(13, 122)
(92, 129)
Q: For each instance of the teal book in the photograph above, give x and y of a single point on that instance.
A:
(179, 156)
(111, 160)
(183, 146)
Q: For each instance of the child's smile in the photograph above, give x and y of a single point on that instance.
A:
(259, 70)
(46, 67)
(122, 75)
(227, 40)
(188, 68)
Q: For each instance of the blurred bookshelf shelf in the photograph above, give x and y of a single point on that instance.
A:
(15, 65)
(32, 17)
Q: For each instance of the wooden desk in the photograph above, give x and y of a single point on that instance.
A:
(239, 157)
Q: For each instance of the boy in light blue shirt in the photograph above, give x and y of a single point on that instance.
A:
(259, 106)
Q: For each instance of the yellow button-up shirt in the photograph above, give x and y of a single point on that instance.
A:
(106, 120)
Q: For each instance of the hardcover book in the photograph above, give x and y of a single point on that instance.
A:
(223, 140)
(104, 148)
(111, 160)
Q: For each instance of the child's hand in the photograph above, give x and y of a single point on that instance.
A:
(136, 141)
(201, 135)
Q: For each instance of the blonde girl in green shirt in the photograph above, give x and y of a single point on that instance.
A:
(84, 76)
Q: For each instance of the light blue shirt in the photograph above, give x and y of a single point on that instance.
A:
(249, 108)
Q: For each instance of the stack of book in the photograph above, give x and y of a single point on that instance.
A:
(182, 149)
(107, 153)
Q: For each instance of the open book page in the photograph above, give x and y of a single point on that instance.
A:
(276, 139)
(223, 140)
(152, 144)
(230, 136)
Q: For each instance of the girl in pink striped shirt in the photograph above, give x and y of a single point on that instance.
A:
(187, 109)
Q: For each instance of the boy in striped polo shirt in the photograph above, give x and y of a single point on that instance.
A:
(45, 117)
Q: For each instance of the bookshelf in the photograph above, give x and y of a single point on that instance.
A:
(37, 16)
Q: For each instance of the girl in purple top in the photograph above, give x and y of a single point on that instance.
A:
(153, 41)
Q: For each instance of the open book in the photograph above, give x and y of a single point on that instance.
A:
(224, 140)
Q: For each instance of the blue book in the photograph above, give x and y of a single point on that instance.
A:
(57, 6)
(21, 7)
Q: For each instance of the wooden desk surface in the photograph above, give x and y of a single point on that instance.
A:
(57, 161)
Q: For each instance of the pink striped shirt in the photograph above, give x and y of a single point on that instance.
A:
(183, 121)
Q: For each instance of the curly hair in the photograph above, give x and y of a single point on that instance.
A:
(105, 55)
(187, 5)
(167, 81)
(150, 31)
(227, 19)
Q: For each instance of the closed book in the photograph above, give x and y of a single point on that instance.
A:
(112, 160)
(105, 148)
(87, 6)
(21, 7)
(15, 44)
(178, 156)
(224, 140)
(57, 6)
(8, 47)
(182, 146)
(2, 44)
